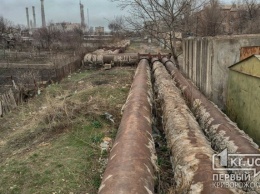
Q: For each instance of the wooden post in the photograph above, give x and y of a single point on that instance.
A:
(4, 108)
(12, 99)
(1, 109)
(7, 104)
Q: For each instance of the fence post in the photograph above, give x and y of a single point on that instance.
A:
(1, 108)
(12, 99)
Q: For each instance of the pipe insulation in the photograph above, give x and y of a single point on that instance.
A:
(132, 161)
(191, 152)
(117, 59)
(219, 129)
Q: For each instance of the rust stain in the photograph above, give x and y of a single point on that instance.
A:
(220, 130)
(243, 143)
(191, 152)
(248, 51)
(130, 168)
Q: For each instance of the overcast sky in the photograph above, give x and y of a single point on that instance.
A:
(60, 10)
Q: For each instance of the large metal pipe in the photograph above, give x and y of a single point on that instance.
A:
(117, 59)
(220, 130)
(191, 152)
(34, 17)
(43, 14)
(132, 159)
(27, 16)
(218, 127)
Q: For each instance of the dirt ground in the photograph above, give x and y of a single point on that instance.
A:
(52, 144)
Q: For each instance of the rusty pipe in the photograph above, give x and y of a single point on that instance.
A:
(101, 57)
(118, 59)
(217, 126)
(132, 159)
(191, 152)
(220, 130)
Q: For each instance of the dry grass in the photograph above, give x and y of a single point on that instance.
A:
(144, 47)
(51, 144)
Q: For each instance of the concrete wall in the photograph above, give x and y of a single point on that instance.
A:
(206, 61)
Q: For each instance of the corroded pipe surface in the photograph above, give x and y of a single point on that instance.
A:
(220, 130)
(191, 152)
(218, 127)
(132, 160)
(119, 59)
(101, 57)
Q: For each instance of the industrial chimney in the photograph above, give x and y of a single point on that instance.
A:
(31, 24)
(43, 14)
(27, 15)
(34, 18)
(82, 16)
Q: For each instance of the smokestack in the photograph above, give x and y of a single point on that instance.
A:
(27, 15)
(43, 14)
(31, 24)
(34, 18)
(82, 16)
(88, 25)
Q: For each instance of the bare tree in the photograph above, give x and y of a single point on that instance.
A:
(78, 35)
(117, 26)
(160, 18)
(47, 36)
(249, 17)
(211, 20)
(4, 25)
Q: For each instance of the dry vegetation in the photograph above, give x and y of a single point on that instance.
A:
(52, 143)
(143, 47)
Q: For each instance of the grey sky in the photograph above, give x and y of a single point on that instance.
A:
(60, 10)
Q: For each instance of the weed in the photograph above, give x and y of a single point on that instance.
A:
(96, 124)
(113, 133)
(59, 165)
(104, 154)
(96, 181)
(164, 148)
(53, 145)
(97, 138)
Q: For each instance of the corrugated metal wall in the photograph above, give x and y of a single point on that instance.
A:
(243, 100)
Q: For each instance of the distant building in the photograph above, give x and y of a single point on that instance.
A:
(232, 19)
(65, 26)
(91, 30)
(230, 14)
(99, 30)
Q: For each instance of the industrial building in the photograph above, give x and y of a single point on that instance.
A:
(31, 24)
(99, 30)
(65, 26)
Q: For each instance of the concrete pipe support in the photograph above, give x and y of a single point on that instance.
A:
(191, 152)
(132, 160)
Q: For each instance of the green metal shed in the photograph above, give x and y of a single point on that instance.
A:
(243, 98)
